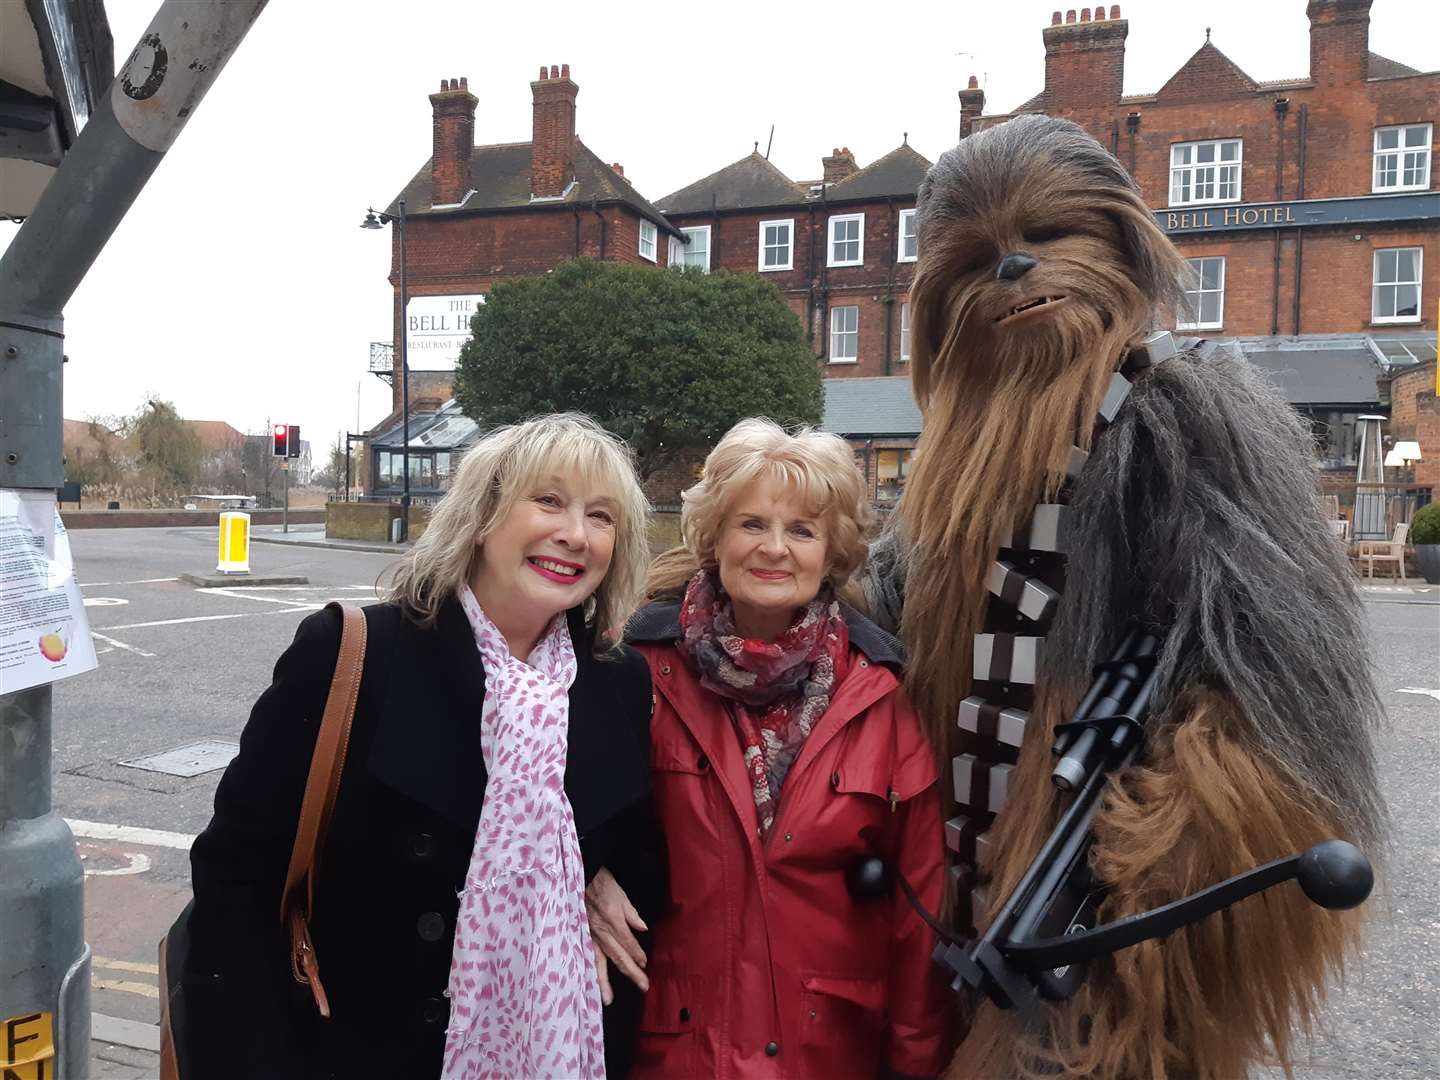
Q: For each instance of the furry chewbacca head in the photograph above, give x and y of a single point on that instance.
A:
(1039, 264)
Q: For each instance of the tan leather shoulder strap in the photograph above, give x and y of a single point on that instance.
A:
(326, 765)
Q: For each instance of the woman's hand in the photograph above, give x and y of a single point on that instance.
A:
(611, 919)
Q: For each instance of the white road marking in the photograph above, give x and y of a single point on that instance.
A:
(120, 644)
(250, 594)
(131, 834)
(1419, 690)
(140, 581)
(213, 618)
(104, 601)
(136, 864)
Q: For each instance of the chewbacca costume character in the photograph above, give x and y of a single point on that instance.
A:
(1188, 508)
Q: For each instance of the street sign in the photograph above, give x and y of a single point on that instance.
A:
(27, 1047)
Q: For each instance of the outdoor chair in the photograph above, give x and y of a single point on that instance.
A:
(1393, 550)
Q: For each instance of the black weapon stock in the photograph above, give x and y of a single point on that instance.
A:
(1039, 944)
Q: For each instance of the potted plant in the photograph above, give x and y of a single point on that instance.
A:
(1425, 536)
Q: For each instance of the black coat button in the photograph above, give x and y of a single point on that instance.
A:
(703, 763)
(684, 1016)
(430, 926)
(434, 1012)
(422, 845)
(771, 1049)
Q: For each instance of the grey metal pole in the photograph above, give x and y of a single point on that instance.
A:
(404, 386)
(285, 504)
(44, 961)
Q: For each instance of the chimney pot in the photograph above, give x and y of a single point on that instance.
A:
(1085, 14)
(464, 83)
(1114, 11)
(542, 71)
(1070, 16)
(974, 83)
(1055, 18)
(554, 72)
(564, 71)
(444, 85)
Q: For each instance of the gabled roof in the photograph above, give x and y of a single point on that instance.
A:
(1381, 67)
(1208, 75)
(751, 181)
(871, 407)
(897, 173)
(500, 177)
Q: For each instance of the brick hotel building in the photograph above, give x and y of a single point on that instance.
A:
(1307, 207)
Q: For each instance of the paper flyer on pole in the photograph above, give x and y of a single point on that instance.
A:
(44, 633)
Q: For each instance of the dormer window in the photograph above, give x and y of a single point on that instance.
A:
(1205, 172)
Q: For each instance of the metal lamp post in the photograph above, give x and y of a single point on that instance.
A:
(374, 220)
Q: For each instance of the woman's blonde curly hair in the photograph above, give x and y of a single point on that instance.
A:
(505, 466)
(819, 467)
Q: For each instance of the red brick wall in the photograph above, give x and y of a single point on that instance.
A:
(1414, 414)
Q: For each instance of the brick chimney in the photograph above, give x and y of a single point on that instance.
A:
(552, 144)
(839, 165)
(972, 105)
(1339, 40)
(1084, 59)
(453, 121)
(619, 169)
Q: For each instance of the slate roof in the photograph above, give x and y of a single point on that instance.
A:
(1382, 67)
(500, 176)
(877, 406)
(1344, 375)
(897, 173)
(750, 182)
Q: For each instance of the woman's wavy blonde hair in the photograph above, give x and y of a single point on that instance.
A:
(499, 470)
(818, 466)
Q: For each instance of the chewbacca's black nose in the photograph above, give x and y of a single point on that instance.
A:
(1014, 267)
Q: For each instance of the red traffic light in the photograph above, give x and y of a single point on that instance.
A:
(280, 443)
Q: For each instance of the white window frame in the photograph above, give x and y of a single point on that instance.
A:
(830, 259)
(648, 232)
(1376, 285)
(1400, 154)
(678, 247)
(905, 332)
(913, 235)
(1199, 293)
(789, 264)
(1214, 167)
(836, 334)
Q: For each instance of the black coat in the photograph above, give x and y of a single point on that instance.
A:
(397, 853)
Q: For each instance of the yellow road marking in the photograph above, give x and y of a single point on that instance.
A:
(124, 987)
(125, 965)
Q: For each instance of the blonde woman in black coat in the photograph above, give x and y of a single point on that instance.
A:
(544, 529)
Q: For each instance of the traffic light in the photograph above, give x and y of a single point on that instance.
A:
(293, 440)
(281, 446)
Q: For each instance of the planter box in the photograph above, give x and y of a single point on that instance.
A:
(1427, 561)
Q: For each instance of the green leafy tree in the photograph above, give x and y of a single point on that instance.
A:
(667, 359)
(167, 453)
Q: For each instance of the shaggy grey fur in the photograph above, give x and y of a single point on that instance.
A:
(1197, 512)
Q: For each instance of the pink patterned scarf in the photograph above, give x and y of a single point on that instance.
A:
(524, 997)
(780, 688)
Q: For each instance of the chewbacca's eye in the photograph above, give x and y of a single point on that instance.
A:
(1041, 234)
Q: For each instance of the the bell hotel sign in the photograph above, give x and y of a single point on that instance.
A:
(1299, 213)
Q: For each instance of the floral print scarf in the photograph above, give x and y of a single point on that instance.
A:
(778, 689)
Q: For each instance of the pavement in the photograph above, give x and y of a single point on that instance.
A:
(181, 666)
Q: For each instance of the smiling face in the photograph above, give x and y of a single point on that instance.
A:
(549, 554)
(773, 556)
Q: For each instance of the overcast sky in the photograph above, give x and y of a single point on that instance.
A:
(241, 288)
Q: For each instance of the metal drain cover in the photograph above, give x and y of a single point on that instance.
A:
(191, 760)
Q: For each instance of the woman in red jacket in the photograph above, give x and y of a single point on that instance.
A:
(783, 752)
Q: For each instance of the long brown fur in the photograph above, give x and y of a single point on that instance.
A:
(1002, 408)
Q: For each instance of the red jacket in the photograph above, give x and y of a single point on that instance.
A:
(766, 966)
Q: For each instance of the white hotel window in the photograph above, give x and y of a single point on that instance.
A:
(647, 240)
(909, 237)
(904, 332)
(1402, 158)
(847, 240)
(1395, 296)
(1204, 307)
(694, 250)
(844, 335)
(1205, 172)
(777, 245)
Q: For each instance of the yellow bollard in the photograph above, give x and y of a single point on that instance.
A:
(234, 543)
